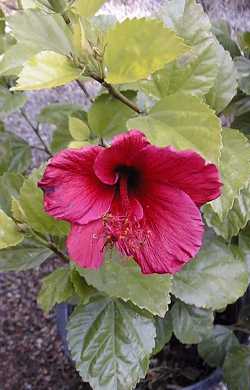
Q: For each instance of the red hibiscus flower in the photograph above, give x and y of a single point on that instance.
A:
(141, 198)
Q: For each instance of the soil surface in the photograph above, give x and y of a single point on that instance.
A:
(31, 353)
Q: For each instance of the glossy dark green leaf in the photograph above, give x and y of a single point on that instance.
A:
(214, 279)
(122, 278)
(27, 255)
(191, 324)
(216, 345)
(237, 368)
(223, 32)
(56, 288)
(164, 331)
(244, 244)
(10, 184)
(111, 342)
(82, 289)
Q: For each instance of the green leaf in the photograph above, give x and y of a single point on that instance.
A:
(214, 279)
(191, 324)
(234, 170)
(31, 201)
(56, 288)
(164, 331)
(235, 220)
(237, 368)
(122, 278)
(27, 255)
(183, 122)
(225, 86)
(130, 41)
(194, 75)
(187, 19)
(78, 129)
(108, 116)
(114, 336)
(243, 68)
(14, 58)
(87, 8)
(10, 101)
(43, 31)
(58, 115)
(10, 184)
(47, 70)
(9, 233)
(244, 244)
(223, 32)
(15, 153)
(216, 345)
(82, 289)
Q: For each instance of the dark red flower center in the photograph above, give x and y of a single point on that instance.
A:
(131, 175)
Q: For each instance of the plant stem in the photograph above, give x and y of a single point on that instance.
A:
(38, 148)
(60, 254)
(240, 329)
(116, 94)
(83, 88)
(36, 131)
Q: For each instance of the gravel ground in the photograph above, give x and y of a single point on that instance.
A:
(31, 353)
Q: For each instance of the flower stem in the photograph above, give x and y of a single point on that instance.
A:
(83, 88)
(36, 131)
(116, 94)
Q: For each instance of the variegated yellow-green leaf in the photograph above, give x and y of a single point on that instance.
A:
(9, 233)
(47, 70)
(183, 122)
(129, 56)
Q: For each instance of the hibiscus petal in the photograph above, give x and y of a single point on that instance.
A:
(121, 153)
(85, 244)
(185, 170)
(72, 190)
(170, 233)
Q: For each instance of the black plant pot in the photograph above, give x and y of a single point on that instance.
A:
(63, 312)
